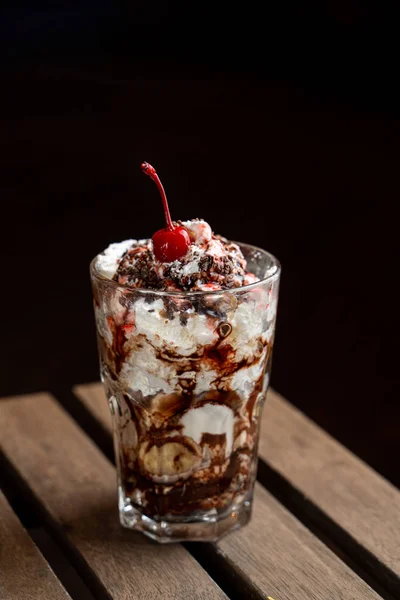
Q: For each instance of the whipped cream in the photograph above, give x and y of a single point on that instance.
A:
(107, 262)
(168, 334)
(210, 260)
(199, 231)
(160, 352)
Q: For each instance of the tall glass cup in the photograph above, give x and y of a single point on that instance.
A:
(186, 376)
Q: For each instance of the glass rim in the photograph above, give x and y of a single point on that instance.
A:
(273, 274)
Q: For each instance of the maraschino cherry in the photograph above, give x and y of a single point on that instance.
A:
(172, 242)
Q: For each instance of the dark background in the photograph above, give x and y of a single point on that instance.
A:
(277, 124)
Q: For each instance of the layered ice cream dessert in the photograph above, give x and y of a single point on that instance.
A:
(185, 349)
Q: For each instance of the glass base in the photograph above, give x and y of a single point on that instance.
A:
(205, 528)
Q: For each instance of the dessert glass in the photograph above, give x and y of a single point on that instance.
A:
(186, 374)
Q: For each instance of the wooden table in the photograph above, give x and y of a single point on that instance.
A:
(325, 526)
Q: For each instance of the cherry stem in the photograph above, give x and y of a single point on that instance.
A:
(152, 173)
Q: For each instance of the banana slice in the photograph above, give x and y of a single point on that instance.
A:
(129, 440)
(170, 459)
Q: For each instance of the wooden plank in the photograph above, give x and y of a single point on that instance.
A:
(275, 553)
(94, 399)
(280, 556)
(76, 485)
(354, 496)
(24, 573)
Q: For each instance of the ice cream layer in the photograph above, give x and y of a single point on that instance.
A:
(205, 350)
(214, 419)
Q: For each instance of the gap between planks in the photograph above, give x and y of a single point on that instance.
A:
(24, 573)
